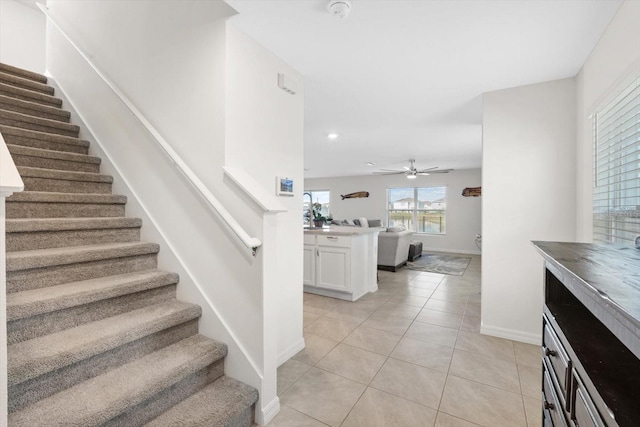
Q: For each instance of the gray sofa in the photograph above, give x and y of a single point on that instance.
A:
(393, 249)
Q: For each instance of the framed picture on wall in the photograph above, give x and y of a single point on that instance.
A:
(284, 186)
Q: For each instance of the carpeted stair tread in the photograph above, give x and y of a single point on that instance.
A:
(27, 171)
(29, 95)
(35, 357)
(52, 197)
(34, 109)
(33, 138)
(24, 225)
(40, 258)
(21, 82)
(44, 300)
(53, 154)
(214, 405)
(51, 159)
(25, 121)
(99, 399)
(26, 74)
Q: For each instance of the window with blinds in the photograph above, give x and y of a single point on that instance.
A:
(616, 186)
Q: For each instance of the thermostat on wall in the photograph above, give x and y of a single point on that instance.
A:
(284, 186)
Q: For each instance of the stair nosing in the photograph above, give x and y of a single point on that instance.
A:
(33, 225)
(25, 74)
(31, 94)
(42, 258)
(23, 150)
(33, 358)
(38, 121)
(75, 198)
(63, 175)
(29, 83)
(39, 301)
(43, 136)
(156, 371)
(34, 106)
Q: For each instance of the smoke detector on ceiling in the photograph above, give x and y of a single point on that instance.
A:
(339, 8)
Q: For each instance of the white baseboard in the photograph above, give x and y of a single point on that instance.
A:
(291, 351)
(269, 412)
(512, 334)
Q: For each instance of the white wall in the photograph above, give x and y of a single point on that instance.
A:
(528, 192)
(264, 133)
(463, 213)
(612, 63)
(172, 60)
(22, 35)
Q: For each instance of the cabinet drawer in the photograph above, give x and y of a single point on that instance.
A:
(337, 241)
(552, 408)
(585, 413)
(309, 239)
(558, 360)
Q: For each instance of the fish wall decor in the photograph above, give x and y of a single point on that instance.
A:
(356, 195)
(472, 192)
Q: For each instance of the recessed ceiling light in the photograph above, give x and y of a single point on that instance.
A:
(333, 136)
(370, 164)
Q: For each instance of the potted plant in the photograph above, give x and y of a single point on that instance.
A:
(318, 219)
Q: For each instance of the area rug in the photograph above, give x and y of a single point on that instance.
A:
(443, 264)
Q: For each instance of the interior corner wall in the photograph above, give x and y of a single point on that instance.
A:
(22, 36)
(264, 137)
(528, 192)
(463, 213)
(611, 65)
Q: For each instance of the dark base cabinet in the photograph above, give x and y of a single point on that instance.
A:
(591, 335)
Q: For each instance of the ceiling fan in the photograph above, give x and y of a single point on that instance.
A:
(411, 172)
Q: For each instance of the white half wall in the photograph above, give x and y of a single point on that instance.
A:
(264, 134)
(22, 35)
(528, 192)
(463, 213)
(611, 65)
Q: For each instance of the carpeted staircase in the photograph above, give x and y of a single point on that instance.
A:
(96, 334)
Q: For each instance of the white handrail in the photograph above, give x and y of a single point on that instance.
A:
(252, 243)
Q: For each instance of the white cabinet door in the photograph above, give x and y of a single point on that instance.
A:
(332, 268)
(309, 268)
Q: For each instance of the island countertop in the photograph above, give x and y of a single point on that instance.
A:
(342, 231)
(605, 278)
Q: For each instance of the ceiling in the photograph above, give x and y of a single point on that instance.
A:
(403, 79)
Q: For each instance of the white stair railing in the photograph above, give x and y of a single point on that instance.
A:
(252, 243)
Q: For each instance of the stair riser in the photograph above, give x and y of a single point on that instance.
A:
(48, 323)
(65, 186)
(165, 399)
(244, 419)
(12, 80)
(25, 74)
(24, 241)
(49, 276)
(20, 107)
(62, 210)
(38, 127)
(44, 386)
(27, 95)
(44, 144)
(46, 163)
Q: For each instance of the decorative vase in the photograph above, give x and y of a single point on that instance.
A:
(318, 223)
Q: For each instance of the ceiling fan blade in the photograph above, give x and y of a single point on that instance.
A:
(407, 168)
(391, 170)
(427, 170)
(442, 171)
(389, 173)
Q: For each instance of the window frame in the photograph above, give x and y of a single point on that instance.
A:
(415, 210)
(305, 208)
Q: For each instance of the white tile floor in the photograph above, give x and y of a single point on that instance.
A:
(410, 354)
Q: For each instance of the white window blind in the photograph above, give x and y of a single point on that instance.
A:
(616, 189)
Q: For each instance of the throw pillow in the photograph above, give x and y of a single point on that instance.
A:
(356, 222)
(363, 222)
(375, 223)
(396, 229)
(349, 222)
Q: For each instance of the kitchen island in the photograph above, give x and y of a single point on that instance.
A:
(341, 262)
